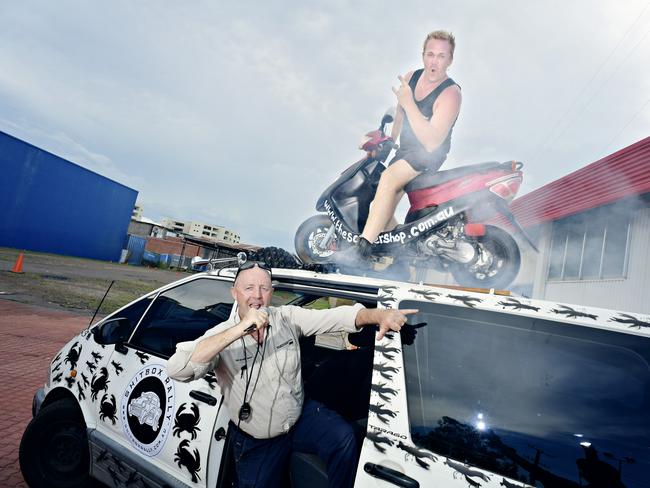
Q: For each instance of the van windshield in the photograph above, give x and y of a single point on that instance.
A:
(541, 402)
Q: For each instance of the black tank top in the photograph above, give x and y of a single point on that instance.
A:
(410, 146)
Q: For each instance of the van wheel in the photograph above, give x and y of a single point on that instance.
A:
(54, 448)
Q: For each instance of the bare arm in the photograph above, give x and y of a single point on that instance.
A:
(388, 319)
(397, 123)
(431, 133)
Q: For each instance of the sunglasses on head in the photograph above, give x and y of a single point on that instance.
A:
(252, 264)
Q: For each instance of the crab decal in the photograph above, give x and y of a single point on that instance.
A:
(99, 383)
(385, 371)
(386, 301)
(386, 351)
(466, 300)
(142, 356)
(118, 367)
(80, 392)
(383, 392)
(211, 380)
(418, 454)
(107, 408)
(381, 412)
(91, 366)
(517, 305)
(114, 476)
(118, 463)
(377, 440)
(73, 355)
(507, 484)
(573, 314)
(133, 478)
(96, 356)
(187, 421)
(467, 472)
(85, 380)
(627, 319)
(183, 457)
(426, 294)
(103, 456)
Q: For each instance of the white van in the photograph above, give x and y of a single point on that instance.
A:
(480, 390)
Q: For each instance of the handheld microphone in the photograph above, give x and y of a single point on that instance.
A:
(253, 326)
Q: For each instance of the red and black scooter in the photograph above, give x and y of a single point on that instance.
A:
(445, 227)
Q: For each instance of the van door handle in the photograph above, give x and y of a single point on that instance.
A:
(390, 475)
(203, 397)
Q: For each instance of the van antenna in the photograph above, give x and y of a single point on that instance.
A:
(100, 304)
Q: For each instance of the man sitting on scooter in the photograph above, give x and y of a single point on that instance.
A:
(428, 106)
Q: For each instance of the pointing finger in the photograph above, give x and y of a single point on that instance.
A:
(409, 311)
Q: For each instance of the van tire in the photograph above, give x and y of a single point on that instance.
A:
(275, 257)
(54, 448)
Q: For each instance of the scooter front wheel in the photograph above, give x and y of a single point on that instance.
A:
(310, 237)
(497, 267)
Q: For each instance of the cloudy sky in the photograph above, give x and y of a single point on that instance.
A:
(241, 113)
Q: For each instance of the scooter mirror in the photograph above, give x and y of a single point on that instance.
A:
(387, 118)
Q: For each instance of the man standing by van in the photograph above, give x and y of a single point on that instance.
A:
(256, 357)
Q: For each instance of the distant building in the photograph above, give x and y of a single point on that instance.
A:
(137, 213)
(200, 229)
(52, 205)
(173, 225)
(592, 229)
(145, 227)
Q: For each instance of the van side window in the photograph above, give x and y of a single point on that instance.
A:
(120, 325)
(546, 403)
(183, 313)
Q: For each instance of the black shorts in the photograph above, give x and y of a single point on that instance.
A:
(419, 160)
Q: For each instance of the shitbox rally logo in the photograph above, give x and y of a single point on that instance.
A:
(146, 409)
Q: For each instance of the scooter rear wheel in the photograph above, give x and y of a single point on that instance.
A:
(309, 237)
(504, 266)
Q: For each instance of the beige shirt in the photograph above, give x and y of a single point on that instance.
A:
(275, 390)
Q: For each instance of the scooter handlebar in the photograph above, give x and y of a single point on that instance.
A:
(385, 148)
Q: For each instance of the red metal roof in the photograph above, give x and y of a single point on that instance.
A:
(621, 174)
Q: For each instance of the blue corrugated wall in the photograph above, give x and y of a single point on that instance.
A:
(52, 205)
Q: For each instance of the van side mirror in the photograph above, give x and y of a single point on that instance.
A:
(112, 331)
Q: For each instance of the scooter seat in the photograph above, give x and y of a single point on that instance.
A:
(427, 179)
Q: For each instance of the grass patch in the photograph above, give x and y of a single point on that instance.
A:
(76, 283)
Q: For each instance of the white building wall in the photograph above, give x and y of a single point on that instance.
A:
(631, 293)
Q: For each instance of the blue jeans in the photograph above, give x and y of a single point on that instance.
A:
(262, 463)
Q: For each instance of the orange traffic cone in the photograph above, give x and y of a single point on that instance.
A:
(18, 267)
